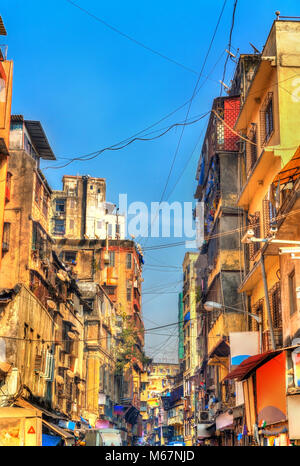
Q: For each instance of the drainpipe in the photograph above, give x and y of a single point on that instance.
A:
(267, 301)
(84, 198)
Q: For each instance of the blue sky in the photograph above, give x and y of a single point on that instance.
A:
(92, 88)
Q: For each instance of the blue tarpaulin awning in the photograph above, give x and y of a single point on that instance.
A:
(187, 317)
(50, 440)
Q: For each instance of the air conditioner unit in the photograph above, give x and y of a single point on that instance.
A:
(204, 415)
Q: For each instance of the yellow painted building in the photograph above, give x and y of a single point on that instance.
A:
(189, 341)
(6, 75)
(157, 380)
(269, 120)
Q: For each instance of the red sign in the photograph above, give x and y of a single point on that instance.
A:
(31, 430)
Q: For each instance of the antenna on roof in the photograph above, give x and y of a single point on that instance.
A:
(227, 88)
(225, 85)
(254, 48)
(230, 53)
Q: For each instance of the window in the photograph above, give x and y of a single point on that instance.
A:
(90, 303)
(266, 119)
(269, 214)
(129, 261)
(128, 292)
(6, 236)
(45, 204)
(258, 310)
(269, 119)
(292, 292)
(60, 205)
(39, 241)
(276, 305)
(91, 186)
(111, 258)
(8, 186)
(70, 256)
(251, 149)
(110, 290)
(109, 230)
(59, 227)
(38, 188)
(71, 224)
(99, 224)
(254, 224)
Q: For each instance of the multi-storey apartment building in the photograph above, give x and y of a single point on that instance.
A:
(189, 343)
(42, 314)
(6, 74)
(80, 210)
(268, 120)
(115, 265)
(247, 297)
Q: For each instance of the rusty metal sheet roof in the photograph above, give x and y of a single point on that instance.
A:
(291, 170)
(17, 118)
(250, 364)
(2, 28)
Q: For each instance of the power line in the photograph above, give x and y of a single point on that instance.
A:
(229, 44)
(135, 41)
(114, 148)
(190, 104)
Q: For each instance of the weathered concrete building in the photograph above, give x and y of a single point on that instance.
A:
(41, 318)
(269, 119)
(80, 210)
(116, 267)
(221, 261)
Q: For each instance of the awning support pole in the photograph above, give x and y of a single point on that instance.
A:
(267, 301)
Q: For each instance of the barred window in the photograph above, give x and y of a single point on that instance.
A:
(254, 224)
(275, 301)
(269, 215)
(129, 261)
(251, 149)
(266, 119)
(111, 258)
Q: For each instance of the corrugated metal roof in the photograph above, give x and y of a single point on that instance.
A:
(2, 28)
(39, 139)
(250, 364)
(17, 118)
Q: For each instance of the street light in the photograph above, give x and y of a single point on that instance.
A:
(211, 305)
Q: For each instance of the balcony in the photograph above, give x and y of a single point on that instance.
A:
(218, 135)
(176, 420)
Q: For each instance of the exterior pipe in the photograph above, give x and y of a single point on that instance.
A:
(267, 301)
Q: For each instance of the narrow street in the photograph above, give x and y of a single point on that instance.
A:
(149, 288)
